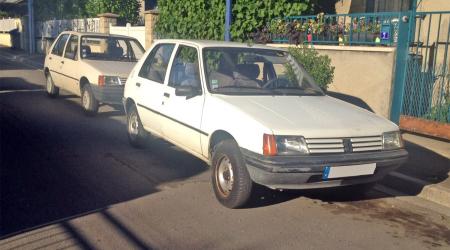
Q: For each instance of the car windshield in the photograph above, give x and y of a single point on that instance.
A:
(111, 48)
(254, 71)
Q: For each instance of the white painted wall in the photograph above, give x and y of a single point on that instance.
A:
(137, 32)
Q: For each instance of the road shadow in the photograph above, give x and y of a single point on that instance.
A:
(16, 83)
(56, 163)
(423, 164)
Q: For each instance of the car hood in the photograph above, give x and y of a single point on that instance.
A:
(310, 116)
(112, 68)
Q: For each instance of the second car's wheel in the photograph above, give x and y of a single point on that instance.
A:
(88, 101)
(230, 179)
(52, 90)
(136, 132)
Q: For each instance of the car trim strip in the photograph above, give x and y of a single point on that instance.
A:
(64, 75)
(172, 119)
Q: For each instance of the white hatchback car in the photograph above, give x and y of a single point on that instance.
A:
(97, 72)
(256, 116)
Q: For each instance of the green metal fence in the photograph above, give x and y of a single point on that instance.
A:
(344, 29)
(427, 82)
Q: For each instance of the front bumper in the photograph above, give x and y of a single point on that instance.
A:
(108, 94)
(305, 172)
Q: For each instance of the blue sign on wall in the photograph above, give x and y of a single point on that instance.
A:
(385, 32)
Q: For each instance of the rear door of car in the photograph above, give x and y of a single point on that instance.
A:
(55, 60)
(183, 114)
(150, 85)
(70, 66)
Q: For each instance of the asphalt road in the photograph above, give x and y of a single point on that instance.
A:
(71, 181)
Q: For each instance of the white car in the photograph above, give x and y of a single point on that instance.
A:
(97, 72)
(255, 116)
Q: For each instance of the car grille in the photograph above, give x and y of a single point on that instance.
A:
(344, 145)
(123, 80)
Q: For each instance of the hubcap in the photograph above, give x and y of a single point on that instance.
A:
(224, 176)
(133, 124)
(86, 99)
(49, 84)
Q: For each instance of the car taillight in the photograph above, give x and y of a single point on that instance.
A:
(101, 81)
(269, 145)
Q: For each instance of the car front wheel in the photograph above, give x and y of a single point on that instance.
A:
(88, 101)
(230, 179)
(52, 90)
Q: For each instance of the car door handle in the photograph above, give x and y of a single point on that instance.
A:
(138, 84)
(167, 95)
(62, 62)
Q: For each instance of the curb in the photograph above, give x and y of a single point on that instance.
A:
(402, 185)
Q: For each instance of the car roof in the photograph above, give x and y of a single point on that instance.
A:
(213, 43)
(94, 34)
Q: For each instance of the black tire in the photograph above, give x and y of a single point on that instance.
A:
(52, 90)
(135, 130)
(88, 101)
(227, 155)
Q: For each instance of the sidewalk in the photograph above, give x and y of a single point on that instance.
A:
(35, 60)
(426, 174)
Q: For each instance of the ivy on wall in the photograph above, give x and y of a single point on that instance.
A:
(204, 19)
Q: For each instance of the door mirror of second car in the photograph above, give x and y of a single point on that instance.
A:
(324, 89)
(187, 90)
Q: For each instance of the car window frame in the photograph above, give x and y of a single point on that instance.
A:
(57, 42)
(172, 60)
(151, 54)
(76, 55)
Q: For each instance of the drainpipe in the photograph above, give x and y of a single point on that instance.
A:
(227, 20)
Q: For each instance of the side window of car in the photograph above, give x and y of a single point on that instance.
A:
(72, 48)
(155, 65)
(185, 69)
(58, 49)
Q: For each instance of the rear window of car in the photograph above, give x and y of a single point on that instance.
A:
(110, 48)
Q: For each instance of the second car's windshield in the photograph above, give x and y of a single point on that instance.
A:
(110, 49)
(252, 71)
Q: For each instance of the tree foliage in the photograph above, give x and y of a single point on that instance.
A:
(319, 66)
(59, 9)
(204, 19)
(249, 15)
(128, 10)
(193, 19)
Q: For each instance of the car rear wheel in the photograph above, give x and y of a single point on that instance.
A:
(52, 90)
(230, 179)
(136, 132)
(88, 101)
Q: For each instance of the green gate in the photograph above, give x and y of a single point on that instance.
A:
(422, 84)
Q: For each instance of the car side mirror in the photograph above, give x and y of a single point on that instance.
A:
(324, 89)
(187, 91)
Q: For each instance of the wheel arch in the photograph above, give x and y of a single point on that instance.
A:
(83, 81)
(216, 137)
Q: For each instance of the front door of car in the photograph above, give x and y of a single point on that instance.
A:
(55, 60)
(150, 87)
(70, 66)
(183, 113)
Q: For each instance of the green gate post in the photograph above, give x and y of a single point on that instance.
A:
(405, 26)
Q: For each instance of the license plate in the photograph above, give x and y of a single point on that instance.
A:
(348, 171)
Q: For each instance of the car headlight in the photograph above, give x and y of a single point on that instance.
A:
(109, 80)
(392, 140)
(284, 145)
